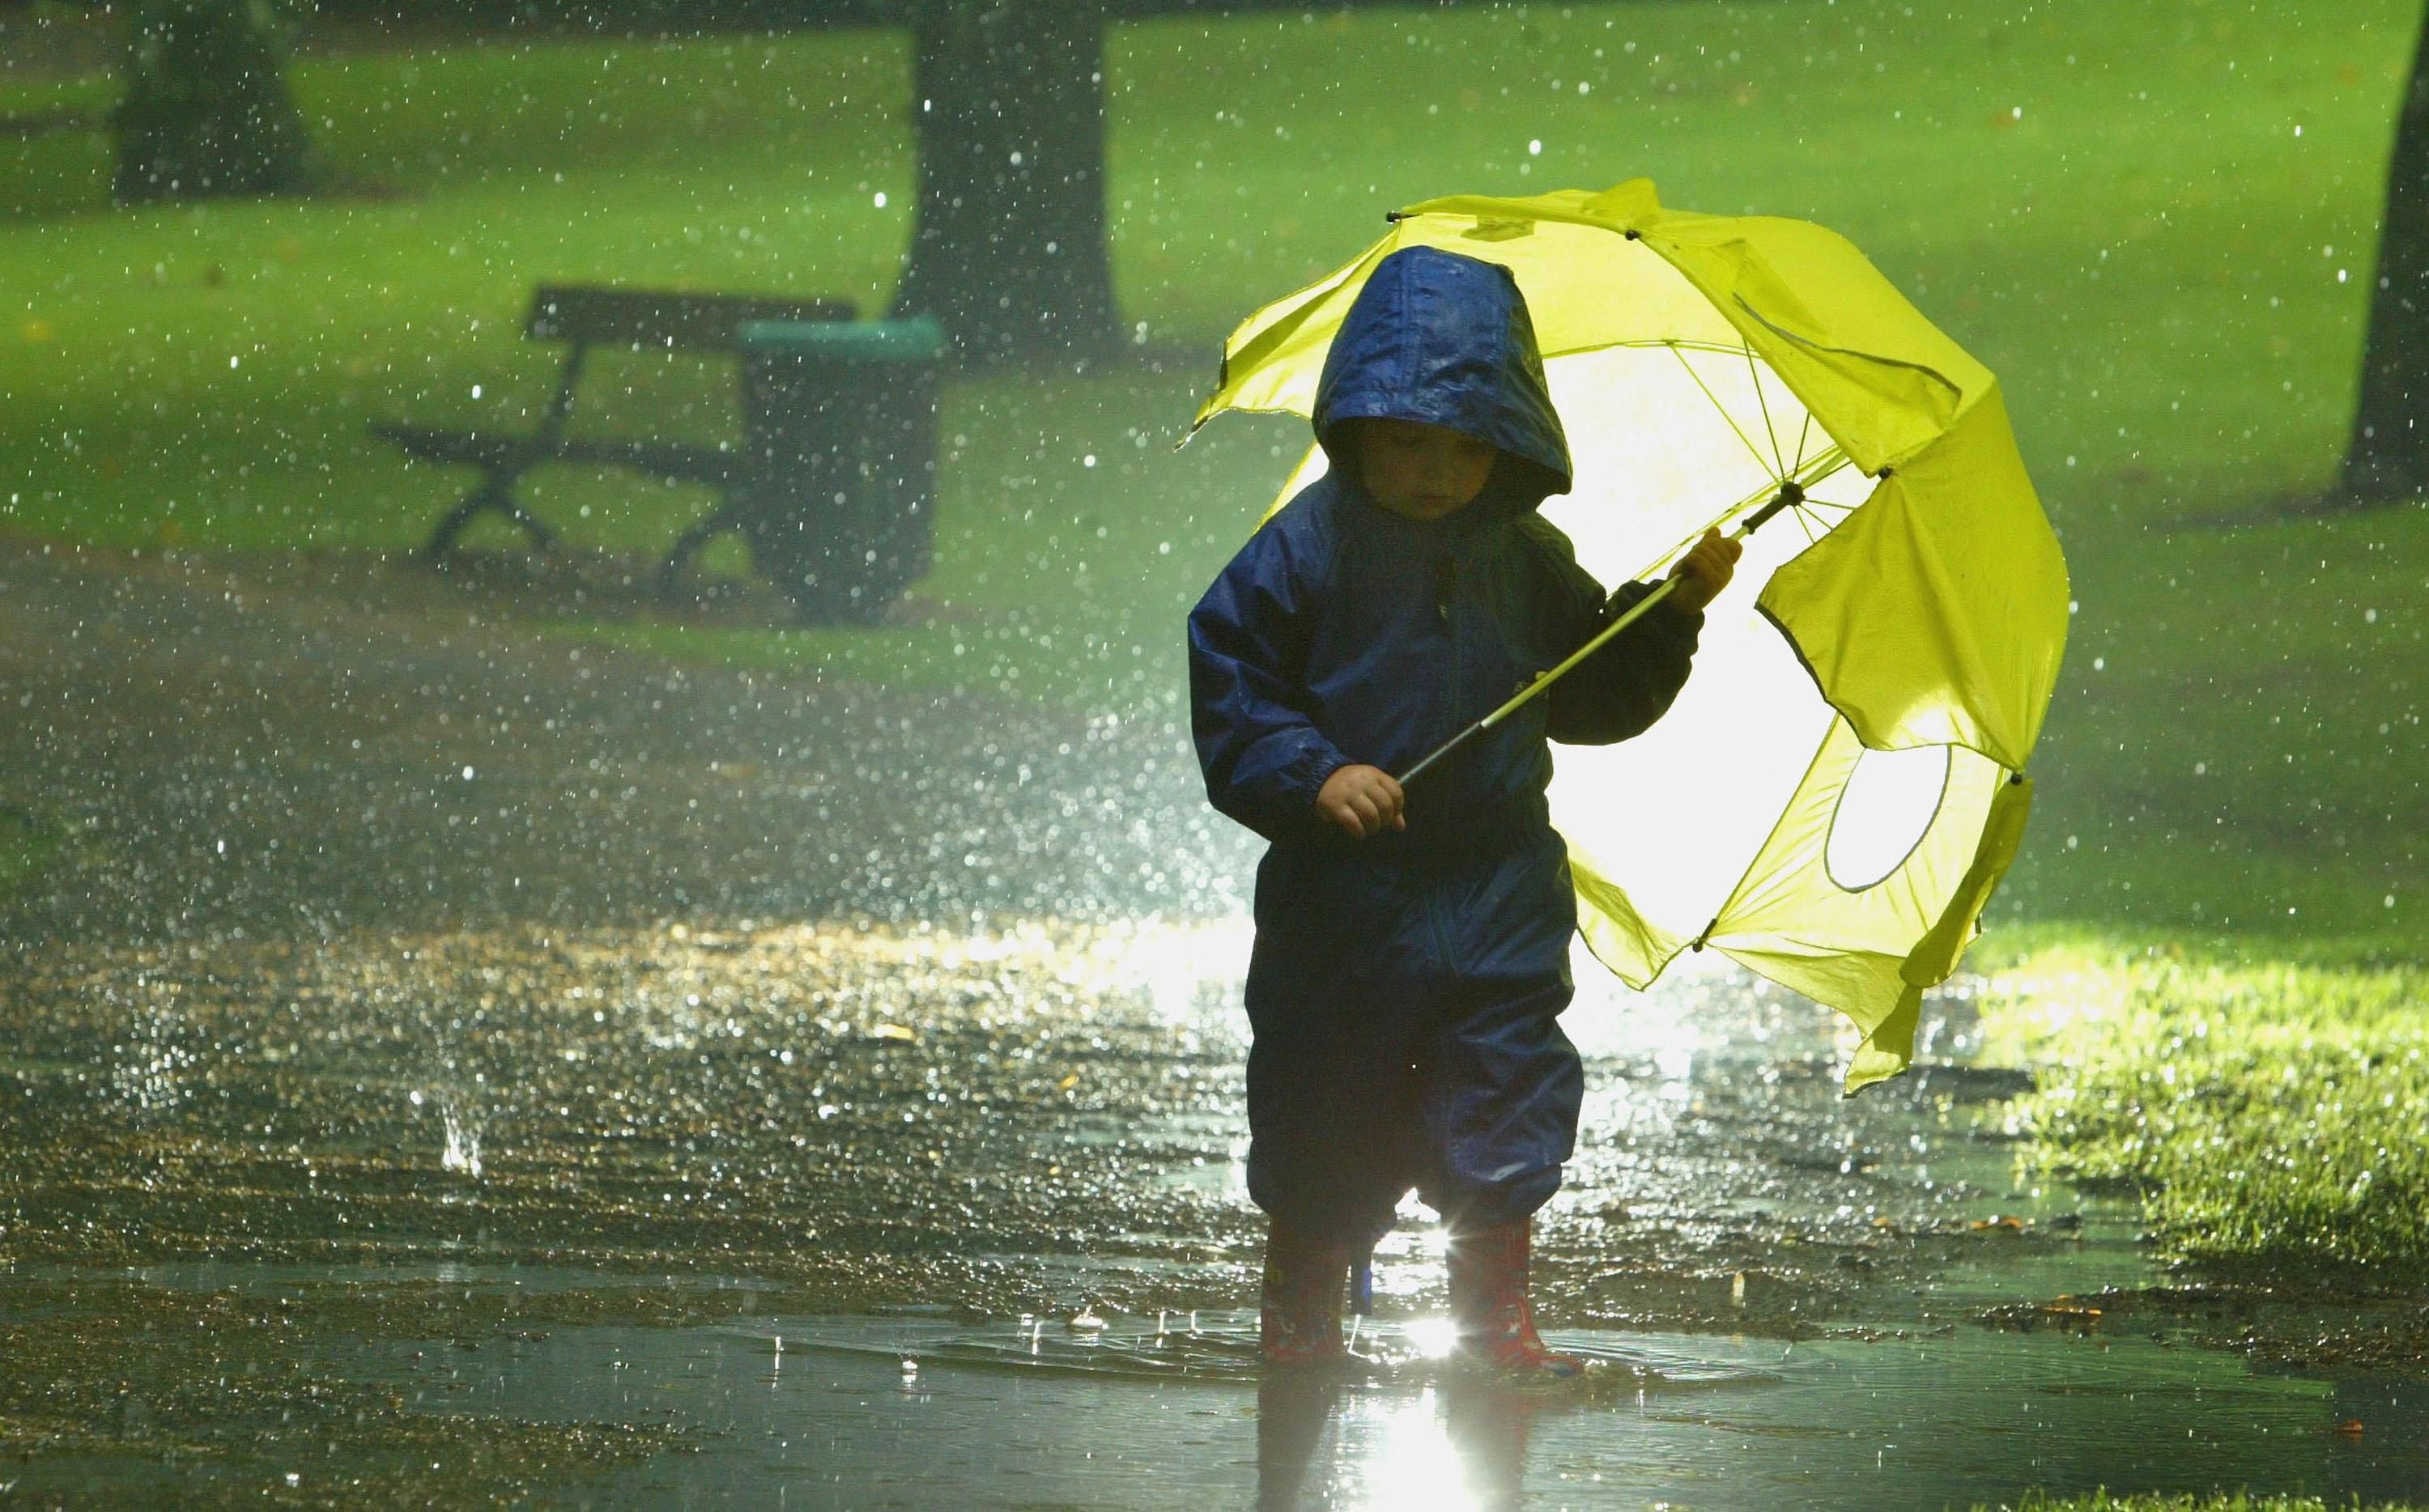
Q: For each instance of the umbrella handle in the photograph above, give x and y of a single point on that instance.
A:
(1790, 494)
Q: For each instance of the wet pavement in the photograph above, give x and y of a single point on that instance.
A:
(288, 746)
(453, 1138)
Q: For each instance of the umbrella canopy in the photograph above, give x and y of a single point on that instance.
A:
(1835, 794)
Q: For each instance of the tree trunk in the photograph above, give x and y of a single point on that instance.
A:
(1008, 243)
(206, 112)
(2387, 457)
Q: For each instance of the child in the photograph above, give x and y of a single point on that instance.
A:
(1412, 949)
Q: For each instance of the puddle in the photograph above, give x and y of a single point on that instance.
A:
(834, 1418)
(1202, 1346)
(694, 1142)
(920, 1410)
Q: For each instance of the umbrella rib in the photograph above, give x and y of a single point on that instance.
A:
(1720, 520)
(1822, 465)
(1803, 430)
(1726, 416)
(1770, 431)
(1809, 510)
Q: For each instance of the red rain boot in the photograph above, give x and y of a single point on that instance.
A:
(1299, 1316)
(1488, 1305)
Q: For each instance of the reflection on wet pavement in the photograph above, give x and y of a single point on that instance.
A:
(892, 1412)
(1017, 1119)
(867, 1142)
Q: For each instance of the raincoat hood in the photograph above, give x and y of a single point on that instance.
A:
(1443, 339)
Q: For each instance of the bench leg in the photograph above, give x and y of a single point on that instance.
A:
(496, 492)
(688, 544)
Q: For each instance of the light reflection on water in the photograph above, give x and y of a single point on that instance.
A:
(832, 1417)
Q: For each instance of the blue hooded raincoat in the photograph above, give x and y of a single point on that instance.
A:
(1404, 989)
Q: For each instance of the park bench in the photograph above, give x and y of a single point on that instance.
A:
(641, 321)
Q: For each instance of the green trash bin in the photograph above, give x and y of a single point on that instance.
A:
(837, 501)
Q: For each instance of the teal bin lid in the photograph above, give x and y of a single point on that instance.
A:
(916, 339)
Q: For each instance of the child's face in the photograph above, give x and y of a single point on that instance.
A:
(1419, 471)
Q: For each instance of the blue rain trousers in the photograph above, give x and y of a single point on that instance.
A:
(1405, 989)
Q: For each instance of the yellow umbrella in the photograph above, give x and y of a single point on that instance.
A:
(1835, 794)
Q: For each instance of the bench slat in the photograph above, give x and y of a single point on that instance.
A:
(680, 461)
(662, 318)
(663, 459)
(479, 448)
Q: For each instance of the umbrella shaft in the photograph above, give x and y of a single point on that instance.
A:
(1789, 494)
(1519, 700)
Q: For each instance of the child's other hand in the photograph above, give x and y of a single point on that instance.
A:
(1360, 799)
(1705, 570)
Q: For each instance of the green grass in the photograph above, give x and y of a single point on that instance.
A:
(204, 374)
(2264, 1104)
(2111, 205)
(28, 843)
(2235, 743)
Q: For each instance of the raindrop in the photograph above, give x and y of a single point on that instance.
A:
(881, 199)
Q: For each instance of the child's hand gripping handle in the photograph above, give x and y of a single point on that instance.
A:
(1790, 493)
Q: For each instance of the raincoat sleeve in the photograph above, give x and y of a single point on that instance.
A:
(1619, 691)
(1262, 756)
